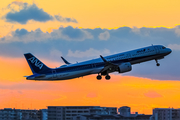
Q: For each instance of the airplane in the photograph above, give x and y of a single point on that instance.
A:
(102, 66)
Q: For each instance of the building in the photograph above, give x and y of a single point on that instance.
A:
(166, 114)
(29, 114)
(42, 114)
(68, 112)
(111, 117)
(18, 114)
(10, 114)
(125, 111)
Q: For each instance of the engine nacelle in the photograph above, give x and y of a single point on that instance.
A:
(125, 67)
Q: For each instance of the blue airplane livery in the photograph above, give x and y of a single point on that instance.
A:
(102, 66)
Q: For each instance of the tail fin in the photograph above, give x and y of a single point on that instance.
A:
(36, 65)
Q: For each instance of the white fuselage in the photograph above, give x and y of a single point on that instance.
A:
(96, 65)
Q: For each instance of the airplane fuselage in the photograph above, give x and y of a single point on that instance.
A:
(95, 66)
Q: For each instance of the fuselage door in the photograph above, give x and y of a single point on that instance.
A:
(129, 56)
(93, 65)
(157, 49)
(54, 73)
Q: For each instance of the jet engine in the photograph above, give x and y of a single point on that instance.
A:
(124, 67)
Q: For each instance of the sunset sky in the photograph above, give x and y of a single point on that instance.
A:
(80, 30)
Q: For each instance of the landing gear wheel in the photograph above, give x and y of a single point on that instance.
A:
(108, 77)
(157, 64)
(99, 77)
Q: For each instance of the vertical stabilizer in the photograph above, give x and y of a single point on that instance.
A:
(36, 65)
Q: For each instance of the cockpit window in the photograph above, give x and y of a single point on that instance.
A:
(163, 47)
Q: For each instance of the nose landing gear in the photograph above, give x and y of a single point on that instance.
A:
(157, 64)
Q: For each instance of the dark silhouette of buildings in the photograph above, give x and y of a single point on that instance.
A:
(87, 113)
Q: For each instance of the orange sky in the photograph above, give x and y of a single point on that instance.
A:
(141, 94)
(102, 13)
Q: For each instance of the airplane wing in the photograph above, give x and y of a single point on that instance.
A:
(65, 61)
(109, 67)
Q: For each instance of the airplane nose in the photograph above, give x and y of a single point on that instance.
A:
(169, 50)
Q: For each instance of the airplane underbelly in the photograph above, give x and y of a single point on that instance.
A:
(97, 70)
(70, 75)
(146, 59)
(67, 75)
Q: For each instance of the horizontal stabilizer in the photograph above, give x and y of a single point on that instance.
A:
(25, 76)
(41, 75)
(35, 76)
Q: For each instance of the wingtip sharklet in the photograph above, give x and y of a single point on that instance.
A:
(65, 61)
(103, 58)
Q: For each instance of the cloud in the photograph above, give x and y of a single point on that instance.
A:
(14, 6)
(20, 32)
(67, 33)
(54, 53)
(16, 2)
(71, 33)
(23, 35)
(136, 30)
(64, 19)
(31, 12)
(91, 95)
(104, 36)
(79, 44)
(152, 94)
(26, 12)
(174, 46)
(123, 35)
(177, 30)
(80, 92)
(88, 53)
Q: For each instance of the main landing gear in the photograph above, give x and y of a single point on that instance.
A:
(108, 77)
(157, 64)
(99, 77)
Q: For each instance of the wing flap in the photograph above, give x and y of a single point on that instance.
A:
(108, 66)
